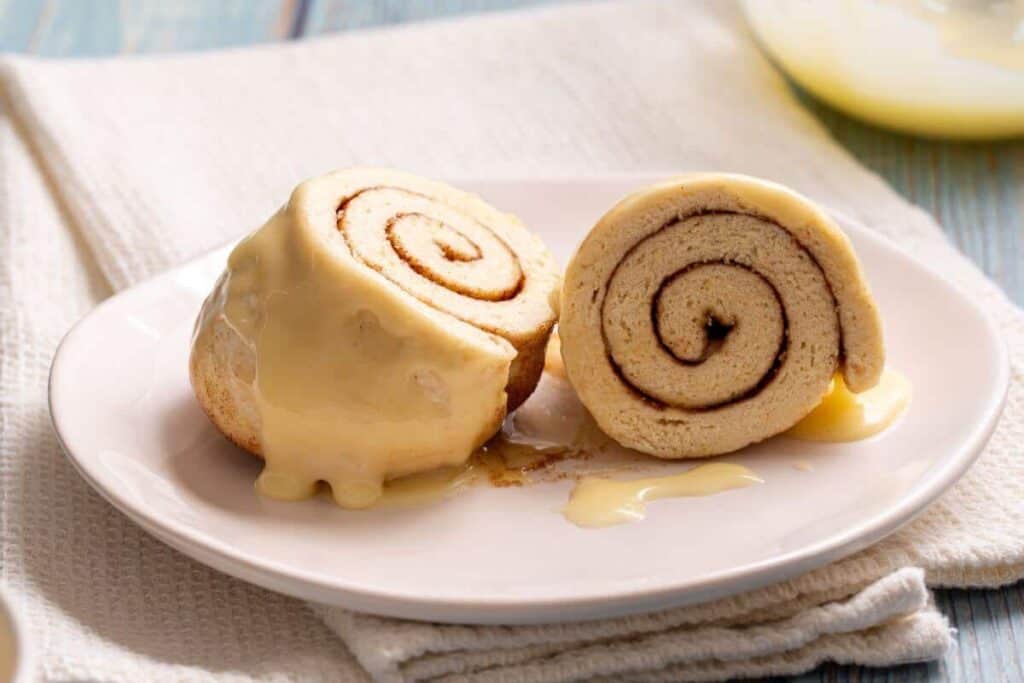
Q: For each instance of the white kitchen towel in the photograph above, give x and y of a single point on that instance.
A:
(111, 170)
(887, 622)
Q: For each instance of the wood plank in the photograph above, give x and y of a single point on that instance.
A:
(18, 22)
(106, 27)
(1001, 647)
(334, 15)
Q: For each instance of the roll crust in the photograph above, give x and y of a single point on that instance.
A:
(452, 262)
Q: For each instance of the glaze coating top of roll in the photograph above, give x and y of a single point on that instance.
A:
(379, 324)
(710, 312)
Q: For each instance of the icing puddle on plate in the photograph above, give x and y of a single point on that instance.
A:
(841, 416)
(599, 502)
(505, 460)
(553, 438)
(845, 416)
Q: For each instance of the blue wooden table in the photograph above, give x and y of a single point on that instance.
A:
(975, 190)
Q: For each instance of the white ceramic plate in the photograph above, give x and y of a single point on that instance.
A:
(122, 406)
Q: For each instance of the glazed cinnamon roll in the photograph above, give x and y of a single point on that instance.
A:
(378, 325)
(710, 312)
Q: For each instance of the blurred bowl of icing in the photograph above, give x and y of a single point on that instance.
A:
(938, 68)
(16, 662)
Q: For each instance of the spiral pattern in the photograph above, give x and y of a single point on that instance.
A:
(456, 254)
(715, 317)
(427, 247)
(715, 325)
(377, 325)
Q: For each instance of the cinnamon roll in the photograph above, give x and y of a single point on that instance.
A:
(710, 312)
(378, 325)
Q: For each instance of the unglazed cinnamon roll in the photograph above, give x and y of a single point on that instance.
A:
(378, 325)
(710, 312)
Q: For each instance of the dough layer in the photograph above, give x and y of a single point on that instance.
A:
(710, 312)
(380, 324)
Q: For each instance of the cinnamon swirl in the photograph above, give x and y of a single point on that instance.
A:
(379, 324)
(710, 312)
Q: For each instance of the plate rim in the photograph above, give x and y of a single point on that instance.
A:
(212, 551)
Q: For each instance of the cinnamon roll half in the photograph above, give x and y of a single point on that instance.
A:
(710, 312)
(378, 325)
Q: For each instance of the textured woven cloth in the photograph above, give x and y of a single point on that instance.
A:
(113, 170)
